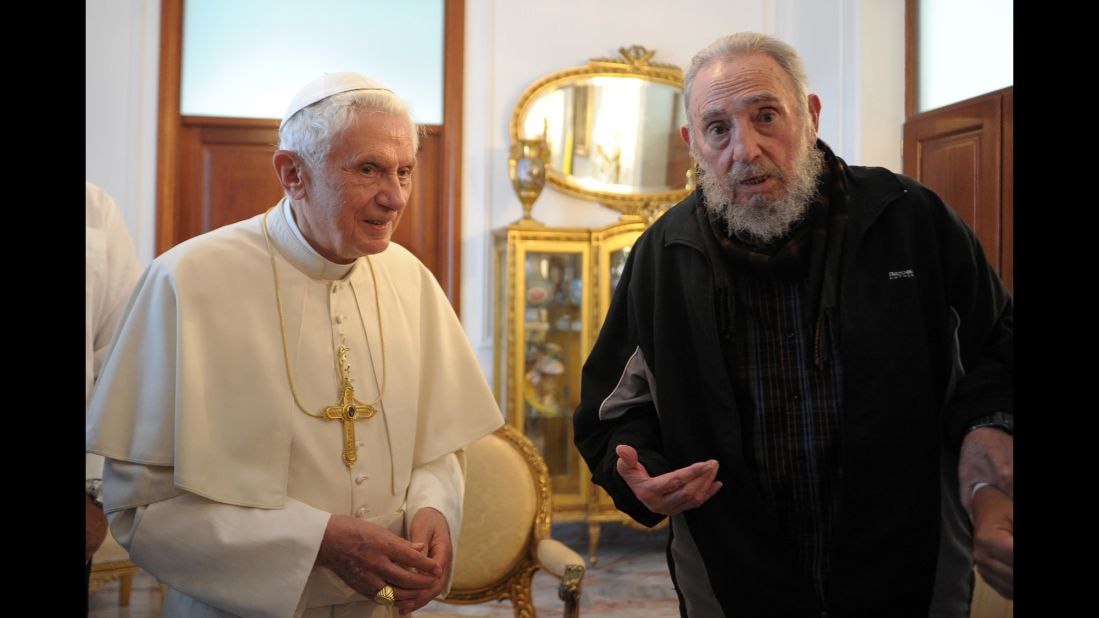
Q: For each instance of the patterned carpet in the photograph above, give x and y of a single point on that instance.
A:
(630, 581)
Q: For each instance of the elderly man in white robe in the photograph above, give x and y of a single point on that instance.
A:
(285, 408)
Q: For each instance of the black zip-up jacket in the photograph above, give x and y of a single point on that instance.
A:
(926, 338)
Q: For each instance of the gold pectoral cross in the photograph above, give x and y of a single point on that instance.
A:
(348, 410)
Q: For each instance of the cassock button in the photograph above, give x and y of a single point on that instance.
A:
(335, 288)
(340, 318)
(359, 479)
(362, 512)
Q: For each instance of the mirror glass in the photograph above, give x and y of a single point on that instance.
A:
(612, 131)
(614, 134)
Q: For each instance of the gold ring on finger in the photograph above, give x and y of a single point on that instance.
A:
(385, 596)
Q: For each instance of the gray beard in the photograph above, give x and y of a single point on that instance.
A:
(761, 221)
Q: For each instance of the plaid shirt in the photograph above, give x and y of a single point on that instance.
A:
(791, 412)
(786, 370)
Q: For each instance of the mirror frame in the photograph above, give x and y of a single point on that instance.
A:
(634, 61)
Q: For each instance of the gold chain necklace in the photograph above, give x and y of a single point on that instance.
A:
(349, 409)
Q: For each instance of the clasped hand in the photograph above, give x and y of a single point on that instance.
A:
(367, 557)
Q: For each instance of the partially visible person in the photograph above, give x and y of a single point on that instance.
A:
(285, 411)
(110, 271)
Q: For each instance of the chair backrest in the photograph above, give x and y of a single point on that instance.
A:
(507, 508)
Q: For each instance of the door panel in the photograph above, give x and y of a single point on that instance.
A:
(963, 152)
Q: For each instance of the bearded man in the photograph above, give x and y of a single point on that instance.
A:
(834, 338)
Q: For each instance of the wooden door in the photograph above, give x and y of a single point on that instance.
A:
(964, 152)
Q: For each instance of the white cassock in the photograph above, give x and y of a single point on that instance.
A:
(216, 482)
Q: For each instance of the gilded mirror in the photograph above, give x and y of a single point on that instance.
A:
(612, 131)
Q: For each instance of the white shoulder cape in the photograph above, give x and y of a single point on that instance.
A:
(197, 381)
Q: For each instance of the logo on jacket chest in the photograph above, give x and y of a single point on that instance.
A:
(902, 274)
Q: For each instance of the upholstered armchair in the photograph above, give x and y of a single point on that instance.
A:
(505, 531)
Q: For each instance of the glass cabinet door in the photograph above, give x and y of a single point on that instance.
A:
(552, 288)
(553, 349)
(614, 244)
(615, 265)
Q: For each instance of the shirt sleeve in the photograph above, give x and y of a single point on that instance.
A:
(983, 345)
(441, 485)
(246, 561)
(618, 403)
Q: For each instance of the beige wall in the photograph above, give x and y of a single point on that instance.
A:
(122, 39)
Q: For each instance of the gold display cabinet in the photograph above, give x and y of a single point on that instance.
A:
(552, 289)
(608, 132)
